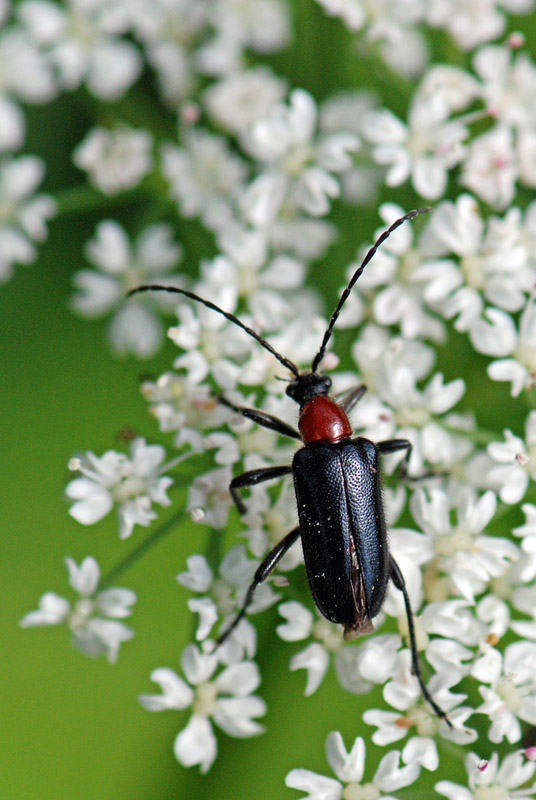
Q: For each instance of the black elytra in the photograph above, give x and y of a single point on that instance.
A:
(338, 490)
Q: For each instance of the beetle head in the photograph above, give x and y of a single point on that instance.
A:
(308, 385)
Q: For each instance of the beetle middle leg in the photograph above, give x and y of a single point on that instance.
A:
(398, 580)
(393, 446)
(263, 570)
(252, 477)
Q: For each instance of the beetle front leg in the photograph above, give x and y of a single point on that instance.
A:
(262, 418)
(252, 477)
(398, 580)
(349, 399)
(263, 570)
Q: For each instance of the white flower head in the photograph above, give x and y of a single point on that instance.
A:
(120, 266)
(490, 168)
(510, 695)
(117, 159)
(206, 178)
(25, 75)
(395, 771)
(511, 463)
(241, 99)
(93, 617)
(496, 335)
(132, 483)
(223, 596)
(485, 777)
(300, 166)
(23, 215)
(84, 42)
(226, 699)
(424, 150)
(466, 555)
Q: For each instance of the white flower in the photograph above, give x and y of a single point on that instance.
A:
(23, 215)
(468, 558)
(471, 22)
(121, 266)
(259, 25)
(25, 75)
(226, 698)
(527, 531)
(424, 149)
(181, 404)
(395, 771)
(83, 41)
(392, 25)
(396, 267)
(116, 159)
(498, 337)
(299, 166)
(89, 617)
(209, 499)
(508, 85)
(169, 30)
(225, 595)
(494, 260)
(240, 99)
(516, 462)
(264, 282)
(218, 346)
(206, 178)
(132, 483)
(315, 658)
(510, 697)
(486, 778)
(411, 413)
(490, 168)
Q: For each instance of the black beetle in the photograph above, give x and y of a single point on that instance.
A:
(338, 491)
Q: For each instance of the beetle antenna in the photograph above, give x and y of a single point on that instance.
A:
(155, 287)
(357, 274)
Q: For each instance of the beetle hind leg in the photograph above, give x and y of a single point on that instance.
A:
(398, 580)
(263, 570)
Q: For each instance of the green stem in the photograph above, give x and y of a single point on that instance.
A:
(140, 550)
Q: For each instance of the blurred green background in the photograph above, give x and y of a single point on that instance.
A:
(73, 729)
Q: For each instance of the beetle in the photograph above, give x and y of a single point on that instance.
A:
(338, 490)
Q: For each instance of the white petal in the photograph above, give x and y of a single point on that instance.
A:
(233, 715)
(53, 609)
(196, 744)
(299, 622)
(239, 679)
(116, 602)
(348, 767)
(318, 786)
(316, 661)
(198, 667)
(176, 693)
(199, 576)
(84, 578)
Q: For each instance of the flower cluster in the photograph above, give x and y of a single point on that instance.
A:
(263, 172)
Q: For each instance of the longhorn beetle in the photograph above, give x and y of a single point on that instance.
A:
(338, 490)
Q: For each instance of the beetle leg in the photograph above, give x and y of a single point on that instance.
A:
(252, 477)
(393, 446)
(263, 570)
(347, 400)
(262, 418)
(398, 580)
